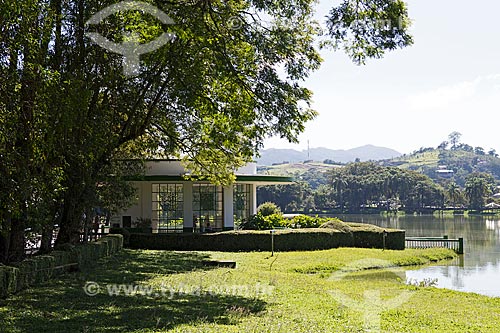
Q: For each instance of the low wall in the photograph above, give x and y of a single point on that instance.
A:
(38, 269)
(284, 240)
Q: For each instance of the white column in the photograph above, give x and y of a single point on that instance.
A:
(147, 200)
(228, 208)
(188, 206)
(253, 202)
(146, 195)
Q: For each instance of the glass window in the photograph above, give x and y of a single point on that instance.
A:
(241, 202)
(168, 206)
(208, 207)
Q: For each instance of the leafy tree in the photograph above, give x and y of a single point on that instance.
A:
(479, 151)
(443, 145)
(478, 187)
(454, 138)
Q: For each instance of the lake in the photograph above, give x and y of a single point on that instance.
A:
(478, 270)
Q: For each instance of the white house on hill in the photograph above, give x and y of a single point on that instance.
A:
(174, 204)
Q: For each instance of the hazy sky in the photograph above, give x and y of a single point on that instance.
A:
(449, 80)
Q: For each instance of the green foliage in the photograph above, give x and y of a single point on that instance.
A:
(261, 222)
(478, 187)
(367, 28)
(268, 208)
(210, 96)
(367, 183)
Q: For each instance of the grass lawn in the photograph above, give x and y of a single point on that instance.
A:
(321, 291)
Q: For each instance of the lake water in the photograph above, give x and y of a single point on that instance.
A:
(478, 270)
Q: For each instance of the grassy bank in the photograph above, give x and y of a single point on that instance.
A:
(290, 292)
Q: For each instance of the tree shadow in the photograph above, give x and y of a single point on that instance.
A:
(62, 305)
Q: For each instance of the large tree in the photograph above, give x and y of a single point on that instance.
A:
(230, 77)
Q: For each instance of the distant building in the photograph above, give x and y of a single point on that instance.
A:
(444, 172)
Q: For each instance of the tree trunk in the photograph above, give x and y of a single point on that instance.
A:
(5, 240)
(17, 240)
(71, 218)
(48, 229)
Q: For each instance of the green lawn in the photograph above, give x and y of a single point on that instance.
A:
(320, 291)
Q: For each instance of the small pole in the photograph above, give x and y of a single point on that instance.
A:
(272, 242)
(383, 238)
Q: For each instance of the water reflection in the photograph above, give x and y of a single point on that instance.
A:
(477, 271)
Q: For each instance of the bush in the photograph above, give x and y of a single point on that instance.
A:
(268, 208)
(261, 222)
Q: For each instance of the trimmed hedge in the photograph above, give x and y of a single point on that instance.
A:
(259, 240)
(38, 269)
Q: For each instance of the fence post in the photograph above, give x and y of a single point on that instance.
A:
(461, 245)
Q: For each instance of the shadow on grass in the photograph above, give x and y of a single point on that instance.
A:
(62, 305)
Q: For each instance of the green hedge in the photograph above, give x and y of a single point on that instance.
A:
(258, 240)
(38, 269)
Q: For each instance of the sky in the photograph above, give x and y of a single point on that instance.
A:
(448, 80)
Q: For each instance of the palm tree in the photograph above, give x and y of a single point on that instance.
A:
(339, 184)
(477, 189)
(454, 193)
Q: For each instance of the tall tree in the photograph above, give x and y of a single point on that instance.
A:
(454, 193)
(454, 139)
(210, 96)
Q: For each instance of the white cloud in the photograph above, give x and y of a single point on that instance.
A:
(443, 97)
(451, 97)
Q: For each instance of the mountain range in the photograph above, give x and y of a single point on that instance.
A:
(364, 153)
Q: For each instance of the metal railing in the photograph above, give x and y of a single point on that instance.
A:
(433, 242)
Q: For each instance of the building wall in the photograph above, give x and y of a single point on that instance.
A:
(143, 207)
(144, 203)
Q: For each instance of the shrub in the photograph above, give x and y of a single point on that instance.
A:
(268, 208)
(304, 221)
(261, 222)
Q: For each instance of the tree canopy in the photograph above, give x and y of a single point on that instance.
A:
(231, 77)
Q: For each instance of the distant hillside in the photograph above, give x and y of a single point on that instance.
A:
(448, 164)
(364, 153)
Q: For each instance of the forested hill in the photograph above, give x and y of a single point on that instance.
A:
(424, 180)
(454, 164)
(439, 164)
